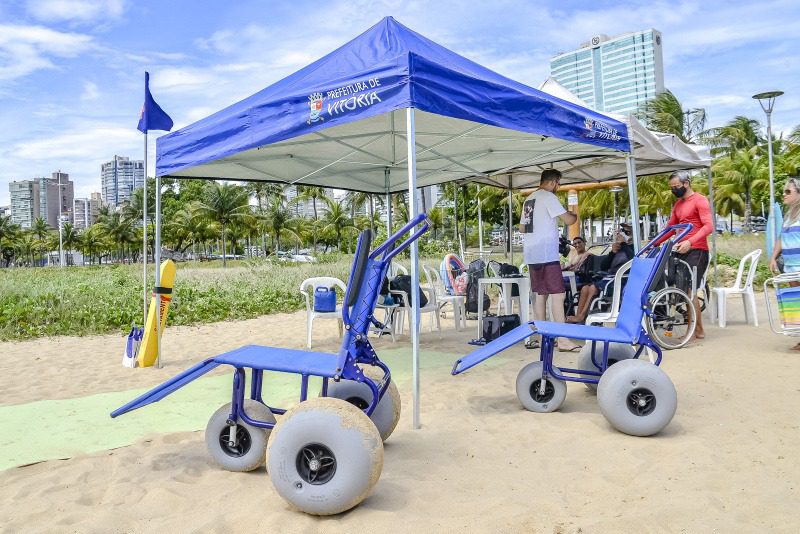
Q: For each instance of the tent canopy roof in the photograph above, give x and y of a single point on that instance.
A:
(655, 153)
(338, 122)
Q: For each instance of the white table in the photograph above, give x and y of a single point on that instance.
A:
(524, 285)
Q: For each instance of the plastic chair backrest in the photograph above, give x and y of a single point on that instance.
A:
(751, 271)
(434, 280)
(321, 281)
(615, 298)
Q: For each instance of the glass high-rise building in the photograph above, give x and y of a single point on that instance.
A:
(613, 74)
(119, 178)
(24, 202)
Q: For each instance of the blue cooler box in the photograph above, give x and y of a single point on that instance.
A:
(324, 299)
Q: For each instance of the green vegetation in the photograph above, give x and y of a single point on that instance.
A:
(101, 299)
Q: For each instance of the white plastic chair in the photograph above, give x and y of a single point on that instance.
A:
(742, 286)
(404, 310)
(313, 284)
(395, 269)
(458, 302)
(609, 317)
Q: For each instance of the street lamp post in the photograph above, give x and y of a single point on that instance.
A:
(767, 101)
(60, 225)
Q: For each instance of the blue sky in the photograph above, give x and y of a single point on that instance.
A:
(71, 71)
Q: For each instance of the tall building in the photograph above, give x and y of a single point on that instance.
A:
(24, 202)
(52, 191)
(119, 178)
(85, 211)
(5, 211)
(613, 74)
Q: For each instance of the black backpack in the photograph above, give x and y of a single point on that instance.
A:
(506, 270)
(475, 271)
(402, 282)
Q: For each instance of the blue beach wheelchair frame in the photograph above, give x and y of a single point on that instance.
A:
(634, 395)
(326, 453)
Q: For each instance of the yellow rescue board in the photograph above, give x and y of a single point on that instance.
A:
(148, 352)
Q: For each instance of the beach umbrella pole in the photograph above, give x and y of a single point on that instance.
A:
(714, 222)
(412, 207)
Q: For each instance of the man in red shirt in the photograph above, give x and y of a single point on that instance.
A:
(692, 208)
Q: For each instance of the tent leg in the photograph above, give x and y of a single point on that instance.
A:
(412, 204)
(630, 163)
(510, 223)
(714, 221)
(157, 259)
(386, 172)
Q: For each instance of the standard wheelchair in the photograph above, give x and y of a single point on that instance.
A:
(326, 453)
(634, 395)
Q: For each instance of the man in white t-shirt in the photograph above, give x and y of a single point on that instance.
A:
(539, 223)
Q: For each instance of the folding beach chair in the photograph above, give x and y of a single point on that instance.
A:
(326, 453)
(635, 396)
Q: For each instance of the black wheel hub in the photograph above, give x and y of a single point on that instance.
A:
(316, 464)
(241, 445)
(547, 396)
(358, 402)
(641, 402)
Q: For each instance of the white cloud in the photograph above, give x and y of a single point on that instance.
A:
(721, 100)
(90, 92)
(84, 143)
(25, 49)
(76, 10)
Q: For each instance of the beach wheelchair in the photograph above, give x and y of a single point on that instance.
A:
(634, 395)
(325, 453)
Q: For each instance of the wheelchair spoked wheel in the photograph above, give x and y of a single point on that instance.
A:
(324, 456)
(386, 413)
(673, 320)
(246, 450)
(529, 390)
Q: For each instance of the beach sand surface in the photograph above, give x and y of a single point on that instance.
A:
(728, 461)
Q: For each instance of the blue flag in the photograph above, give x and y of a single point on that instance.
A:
(152, 116)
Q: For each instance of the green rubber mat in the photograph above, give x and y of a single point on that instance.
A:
(47, 430)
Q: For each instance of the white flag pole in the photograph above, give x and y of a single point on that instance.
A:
(144, 237)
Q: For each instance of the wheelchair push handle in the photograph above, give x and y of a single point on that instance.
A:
(390, 248)
(663, 234)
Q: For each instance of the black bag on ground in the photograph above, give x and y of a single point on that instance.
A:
(402, 282)
(475, 271)
(494, 327)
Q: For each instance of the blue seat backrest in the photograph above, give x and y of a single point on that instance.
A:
(635, 295)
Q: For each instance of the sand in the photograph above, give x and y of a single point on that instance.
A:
(728, 461)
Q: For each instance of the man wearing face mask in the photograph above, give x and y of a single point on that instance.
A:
(695, 209)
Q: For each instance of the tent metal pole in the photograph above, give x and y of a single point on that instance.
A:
(480, 222)
(633, 195)
(157, 259)
(144, 237)
(386, 172)
(412, 204)
(510, 222)
(714, 220)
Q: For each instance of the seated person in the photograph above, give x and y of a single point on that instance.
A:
(578, 256)
(621, 252)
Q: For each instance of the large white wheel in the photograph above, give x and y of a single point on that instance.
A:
(637, 397)
(529, 391)
(386, 413)
(324, 456)
(672, 323)
(247, 450)
(616, 353)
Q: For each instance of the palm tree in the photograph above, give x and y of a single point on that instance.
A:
(224, 203)
(436, 221)
(69, 237)
(277, 217)
(92, 239)
(8, 234)
(40, 230)
(745, 170)
(119, 230)
(741, 133)
(664, 113)
(336, 220)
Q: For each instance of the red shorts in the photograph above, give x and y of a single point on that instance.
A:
(546, 278)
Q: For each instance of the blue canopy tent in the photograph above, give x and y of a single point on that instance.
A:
(389, 100)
